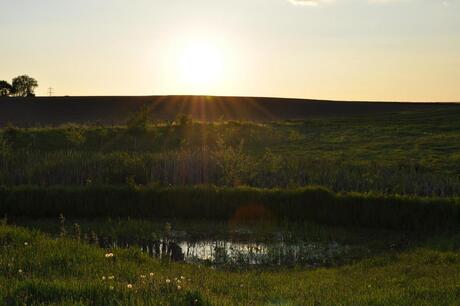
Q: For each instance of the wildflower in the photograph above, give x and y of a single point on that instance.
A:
(182, 277)
(111, 277)
(179, 287)
(178, 281)
(108, 255)
(151, 274)
(111, 287)
(168, 281)
(195, 301)
(26, 243)
(241, 285)
(20, 271)
(129, 286)
(142, 276)
(103, 278)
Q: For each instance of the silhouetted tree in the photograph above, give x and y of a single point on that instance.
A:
(5, 89)
(24, 86)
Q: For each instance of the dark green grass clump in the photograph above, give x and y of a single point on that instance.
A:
(233, 204)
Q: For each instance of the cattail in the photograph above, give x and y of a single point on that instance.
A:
(77, 231)
(62, 229)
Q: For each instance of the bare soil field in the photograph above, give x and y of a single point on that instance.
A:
(116, 110)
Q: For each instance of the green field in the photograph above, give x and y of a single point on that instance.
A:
(385, 185)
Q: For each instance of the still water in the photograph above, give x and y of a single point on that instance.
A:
(227, 252)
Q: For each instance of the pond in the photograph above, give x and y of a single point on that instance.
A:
(237, 245)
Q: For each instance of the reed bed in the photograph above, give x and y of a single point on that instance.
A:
(408, 154)
(233, 205)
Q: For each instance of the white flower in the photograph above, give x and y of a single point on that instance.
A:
(129, 286)
(108, 255)
(26, 243)
(151, 274)
(111, 287)
(20, 271)
(142, 276)
(103, 278)
(111, 277)
(179, 287)
(168, 281)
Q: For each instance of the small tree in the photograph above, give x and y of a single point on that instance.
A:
(24, 86)
(139, 121)
(5, 89)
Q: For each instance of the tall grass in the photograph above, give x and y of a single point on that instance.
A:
(418, 157)
(233, 204)
(226, 166)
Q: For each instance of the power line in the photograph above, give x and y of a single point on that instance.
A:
(50, 91)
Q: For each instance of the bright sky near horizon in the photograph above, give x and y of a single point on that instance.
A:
(400, 50)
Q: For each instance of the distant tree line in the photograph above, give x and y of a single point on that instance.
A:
(21, 86)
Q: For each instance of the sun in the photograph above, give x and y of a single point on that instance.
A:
(201, 65)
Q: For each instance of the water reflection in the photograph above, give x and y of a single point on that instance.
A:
(226, 252)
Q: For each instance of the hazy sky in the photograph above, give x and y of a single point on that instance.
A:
(328, 49)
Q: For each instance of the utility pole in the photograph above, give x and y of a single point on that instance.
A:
(50, 91)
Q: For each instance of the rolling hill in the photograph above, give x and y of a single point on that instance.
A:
(116, 110)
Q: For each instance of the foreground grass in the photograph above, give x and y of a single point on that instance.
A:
(37, 270)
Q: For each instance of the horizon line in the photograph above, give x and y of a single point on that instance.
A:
(236, 97)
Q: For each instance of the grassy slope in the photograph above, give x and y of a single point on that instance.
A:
(413, 152)
(68, 272)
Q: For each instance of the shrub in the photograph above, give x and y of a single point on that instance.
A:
(138, 122)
